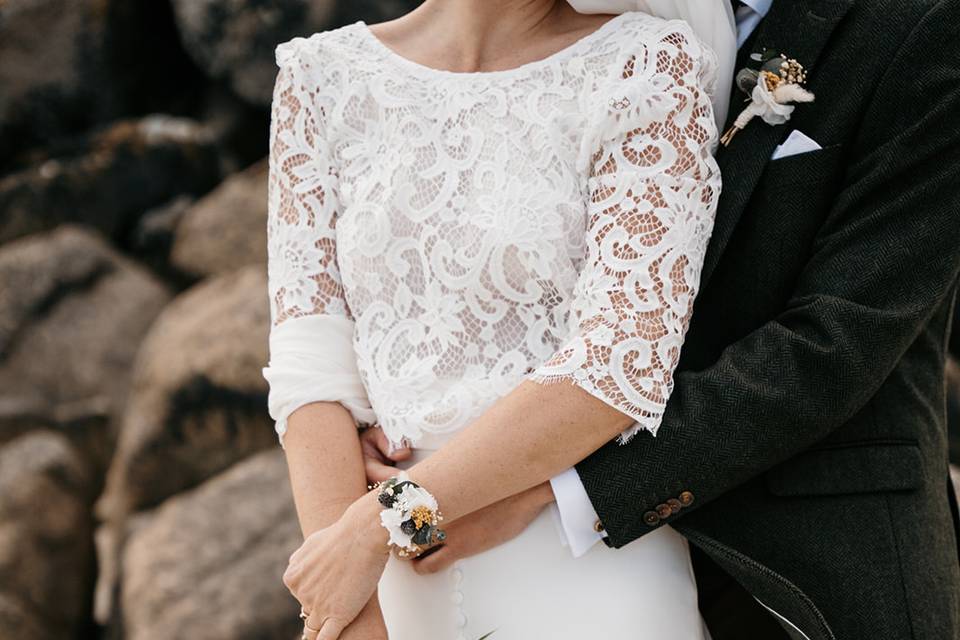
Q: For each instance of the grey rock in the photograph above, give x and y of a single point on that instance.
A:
(226, 229)
(198, 397)
(234, 40)
(208, 563)
(114, 176)
(52, 55)
(153, 237)
(72, 313)
(372, 11)
(46, 554)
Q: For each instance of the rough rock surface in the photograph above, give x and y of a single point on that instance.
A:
(234, 40)
(198, 397)
(112, 178)
(226, 229)
(52, 55)
(46, 554)
(208, 563)
(72, 314)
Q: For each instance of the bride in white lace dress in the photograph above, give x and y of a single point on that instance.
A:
(444, 246)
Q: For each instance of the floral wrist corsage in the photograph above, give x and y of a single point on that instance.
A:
(410, 514)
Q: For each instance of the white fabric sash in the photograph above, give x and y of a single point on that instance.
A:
(311, 360)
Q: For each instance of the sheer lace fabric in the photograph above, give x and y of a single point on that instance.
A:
(453, 234)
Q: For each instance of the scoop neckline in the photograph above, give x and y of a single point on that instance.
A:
(368, 33)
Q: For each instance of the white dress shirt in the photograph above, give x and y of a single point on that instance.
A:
(577, 519)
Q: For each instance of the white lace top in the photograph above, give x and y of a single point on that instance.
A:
(437, 237)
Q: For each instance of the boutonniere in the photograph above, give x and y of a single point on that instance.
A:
(772, 89)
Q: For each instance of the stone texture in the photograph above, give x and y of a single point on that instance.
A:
(208, 563)
(372, 11)
(226, 229)
(52, 71)
(72, 314)
(234, 40)
(111, 178)
(198, 397)
(46, 554)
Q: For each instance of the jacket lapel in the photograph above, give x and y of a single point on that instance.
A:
(800, 29)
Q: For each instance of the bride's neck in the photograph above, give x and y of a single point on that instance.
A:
(473, 33)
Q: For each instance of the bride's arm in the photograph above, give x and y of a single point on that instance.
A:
(315, 395)
(653, 189)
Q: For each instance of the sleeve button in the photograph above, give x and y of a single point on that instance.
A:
(674, 505)
(598, 526)
(663, 511)
(686, 499)
(651, 519)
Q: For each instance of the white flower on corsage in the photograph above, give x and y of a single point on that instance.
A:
(772, 89)
(391, 519)
(410, 516)
(413, 497)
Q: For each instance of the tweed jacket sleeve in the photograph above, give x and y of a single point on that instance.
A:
(886, 257)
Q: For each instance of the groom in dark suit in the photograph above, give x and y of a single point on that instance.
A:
(804, 449)
(807, 428)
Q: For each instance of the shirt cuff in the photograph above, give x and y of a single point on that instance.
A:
(577, 515)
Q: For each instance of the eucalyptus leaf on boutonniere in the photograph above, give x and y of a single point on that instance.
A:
(772, 89)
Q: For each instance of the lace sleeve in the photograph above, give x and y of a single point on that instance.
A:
(311, 351)
(652, 187)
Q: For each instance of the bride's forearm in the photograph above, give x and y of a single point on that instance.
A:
(524, 439)
(325, 463)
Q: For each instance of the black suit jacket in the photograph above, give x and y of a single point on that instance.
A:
(804, 447)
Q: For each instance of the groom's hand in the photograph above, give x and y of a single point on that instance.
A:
(378, 460)
(485, 529)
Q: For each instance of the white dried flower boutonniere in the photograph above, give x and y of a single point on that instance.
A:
(772, 89)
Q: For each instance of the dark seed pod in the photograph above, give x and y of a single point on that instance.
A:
(423, 535)
(409, 527)
(747, 80)
(386, 499)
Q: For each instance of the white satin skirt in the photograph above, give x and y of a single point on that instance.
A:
(532, 588)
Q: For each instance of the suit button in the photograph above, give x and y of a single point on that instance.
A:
(598, 526)
(663, 511)
(674, 505)
(686, 498)
(651, 519)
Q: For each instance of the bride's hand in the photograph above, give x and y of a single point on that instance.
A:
(335, 571)
(486, 528)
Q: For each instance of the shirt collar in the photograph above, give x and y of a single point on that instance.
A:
(762, 7)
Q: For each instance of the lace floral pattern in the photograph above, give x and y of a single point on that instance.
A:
(545, 223)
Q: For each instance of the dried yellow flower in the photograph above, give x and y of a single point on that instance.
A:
(421, 516)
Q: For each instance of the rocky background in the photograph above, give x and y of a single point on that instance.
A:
(142, 492)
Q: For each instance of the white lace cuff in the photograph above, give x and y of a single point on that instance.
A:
(312, 360)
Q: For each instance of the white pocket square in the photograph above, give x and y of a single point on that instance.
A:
(796, 142)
